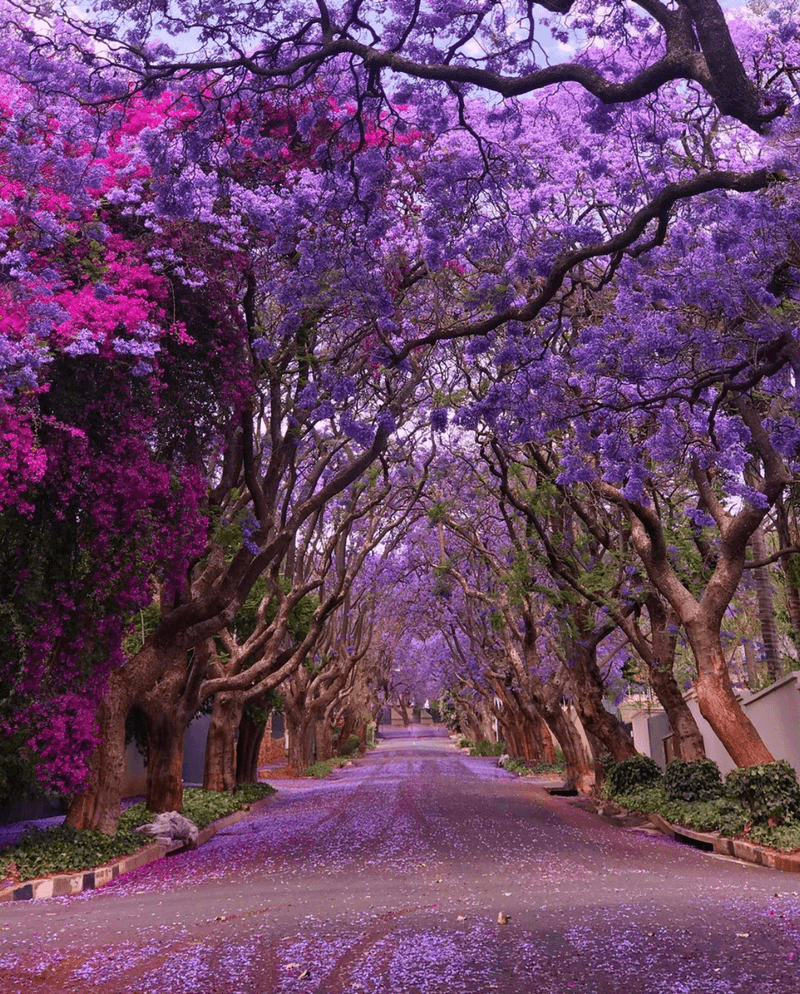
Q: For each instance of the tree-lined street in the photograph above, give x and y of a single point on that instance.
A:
(390, 876)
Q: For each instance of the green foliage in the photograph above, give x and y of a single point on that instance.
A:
(464, 743)
(437, 511)
(697, 780)
(606, 762)
(721, 814)
(202, 806)
(769, 792)
(630, 774)
(55, 850)
(784, 837)
(523, 769)
(349, 747)
(486, 748)
(516, 766)
(144, 623)
(63, 848)
(324, 767)
(300, 617)
(557, 767)
(496, 621)
(644, 799)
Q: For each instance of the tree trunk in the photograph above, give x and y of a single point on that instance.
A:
(660, 662)
(323, 738)
(545, 747)
(98, 805)
(347, 728)
(718, 704)
(165, 763)
(168, 707)
(361, 731)
(251, 735)
(470, 726)
(485, 724)
(751, 663)
(579, 771)
(788, 536)
(219, 772)
(688, 738)
(512, 739)
(588, 692)
(402, 707)
(766, 607)
(301, 740)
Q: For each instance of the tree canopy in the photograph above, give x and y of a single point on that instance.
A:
(531, 267)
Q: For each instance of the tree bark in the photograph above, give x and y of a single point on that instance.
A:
(689, 742)
(169, 707)
(402, 707)
(718, 704)
(579, 771)
(165, 764)
(219, 772)
(766, 606)
(323, 738)
(98, 805)
(301, 740)
(347, 728)
(788, 536)
(251, 735)
(588, 692)
(660, 663)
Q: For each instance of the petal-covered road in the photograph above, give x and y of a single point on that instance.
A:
(389, 877)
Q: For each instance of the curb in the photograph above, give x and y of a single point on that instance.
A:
(748, 852)
(77, 881)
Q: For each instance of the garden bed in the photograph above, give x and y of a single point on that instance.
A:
(62, 850)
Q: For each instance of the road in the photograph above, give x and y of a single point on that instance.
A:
(389, 877)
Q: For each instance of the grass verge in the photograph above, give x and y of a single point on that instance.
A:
(523, 769)
(325, 766)
(62, 848)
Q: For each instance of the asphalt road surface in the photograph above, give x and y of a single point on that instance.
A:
(390, 878)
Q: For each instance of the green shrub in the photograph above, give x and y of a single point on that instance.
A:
(352, 745)
(784, 837)
(631, 774)
(63, 848)
(516, 766)
(644, 800)
(721, 814)
(487, 748)
(324, 767)
(201, 806)
(465, 743)
(769, 792)
(696, 780)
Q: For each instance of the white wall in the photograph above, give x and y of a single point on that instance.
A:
(775, 711)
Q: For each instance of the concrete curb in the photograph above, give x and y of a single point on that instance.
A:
(77, 881)
(748, 852)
